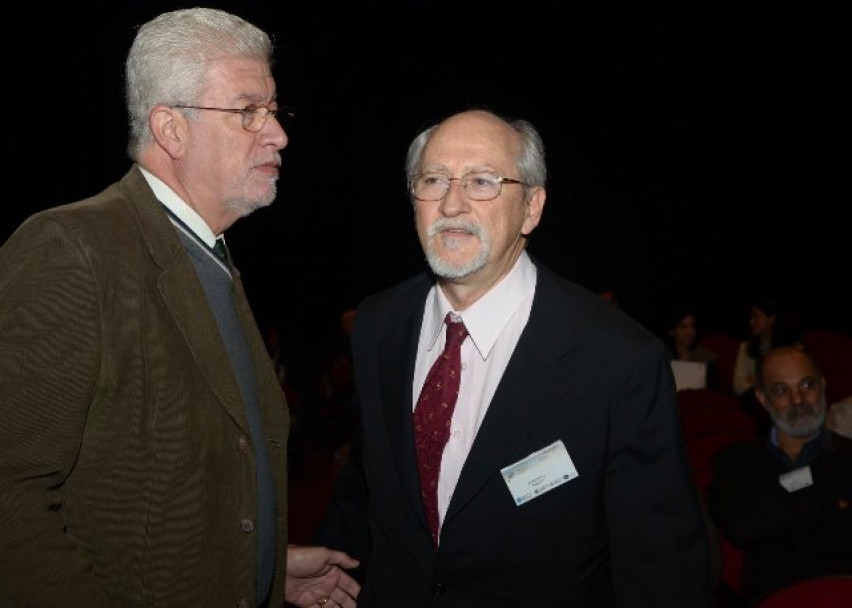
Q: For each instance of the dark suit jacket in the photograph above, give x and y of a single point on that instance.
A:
(127, 473)
(627, 532)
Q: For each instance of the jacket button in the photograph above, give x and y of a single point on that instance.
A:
(246, 525)
(243, 444)
(438, 589)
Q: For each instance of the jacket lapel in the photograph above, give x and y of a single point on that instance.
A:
(181, 292)
(533, 384)
(398, 352)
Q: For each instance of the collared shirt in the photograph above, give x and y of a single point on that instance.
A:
(494, 324)
(186, 219)
(178, 206)
(812, 450)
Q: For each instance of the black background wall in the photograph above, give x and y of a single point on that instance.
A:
(696, 150)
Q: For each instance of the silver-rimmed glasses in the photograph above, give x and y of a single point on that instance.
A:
(254, 115)
(477, 185)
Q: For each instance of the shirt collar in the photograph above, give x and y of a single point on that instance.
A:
(182, 211)
(822, 442)
(487, 317)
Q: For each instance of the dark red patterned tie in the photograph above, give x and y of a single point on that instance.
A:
(432, 418)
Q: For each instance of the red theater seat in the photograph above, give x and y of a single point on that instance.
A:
(818, 592)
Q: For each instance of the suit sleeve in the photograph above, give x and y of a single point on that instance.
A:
(49, 361)
(659, 541)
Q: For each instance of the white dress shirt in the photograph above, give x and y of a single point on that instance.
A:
(186, 214)
(494, 323)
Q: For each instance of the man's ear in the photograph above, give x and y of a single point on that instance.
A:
(535, 207)
(168, 127)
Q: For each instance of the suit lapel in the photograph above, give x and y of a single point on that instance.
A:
(181, 292)
(398, 352)
(533, 383)
(199, 329)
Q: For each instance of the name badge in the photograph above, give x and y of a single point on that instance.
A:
(539, 472)
(796, 480)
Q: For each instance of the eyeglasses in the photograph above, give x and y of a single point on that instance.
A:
(477, 185)
(254, 115)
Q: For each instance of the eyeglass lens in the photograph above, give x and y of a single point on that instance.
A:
(480, 186)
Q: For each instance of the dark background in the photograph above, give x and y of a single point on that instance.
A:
(697, 150)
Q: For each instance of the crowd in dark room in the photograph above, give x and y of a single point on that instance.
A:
(698, 156)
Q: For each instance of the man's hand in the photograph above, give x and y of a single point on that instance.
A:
(315, 577)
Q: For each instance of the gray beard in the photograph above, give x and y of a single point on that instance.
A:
(244, 206)
(800, 421)
(445, 269)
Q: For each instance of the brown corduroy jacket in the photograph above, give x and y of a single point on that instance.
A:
(127, 472)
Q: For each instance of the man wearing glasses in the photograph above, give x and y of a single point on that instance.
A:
(786, 500)
(144, 434)
(520, 443)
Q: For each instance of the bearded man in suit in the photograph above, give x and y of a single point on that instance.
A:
(564, 479)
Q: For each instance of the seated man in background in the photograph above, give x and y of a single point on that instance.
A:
(784, 500)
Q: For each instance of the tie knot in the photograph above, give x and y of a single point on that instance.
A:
(456, 332)
(219, 249)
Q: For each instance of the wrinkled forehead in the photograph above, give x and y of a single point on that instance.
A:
(473, 139)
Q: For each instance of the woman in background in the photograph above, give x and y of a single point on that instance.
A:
(681, 337)
(771, 326)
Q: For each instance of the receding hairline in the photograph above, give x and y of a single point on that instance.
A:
(479, 116)
(781, 352)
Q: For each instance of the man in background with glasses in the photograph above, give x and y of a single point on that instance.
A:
(539, 463)
(785, 500)
(144, 434)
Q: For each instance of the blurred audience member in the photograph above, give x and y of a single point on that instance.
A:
(681, 337)
(771, 326)
(839, 417)
(272, 339)
(609, 294)
(784, 500)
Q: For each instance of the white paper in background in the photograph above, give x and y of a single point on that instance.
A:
(689, 374)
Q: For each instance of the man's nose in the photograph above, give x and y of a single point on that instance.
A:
(455, 200)
(797, 395)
